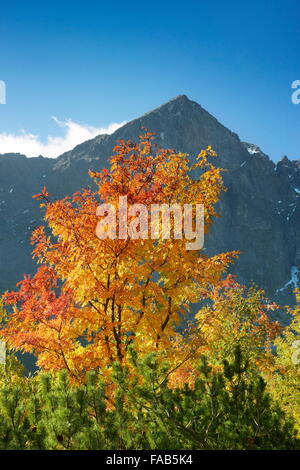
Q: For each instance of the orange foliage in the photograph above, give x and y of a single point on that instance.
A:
(91, 299)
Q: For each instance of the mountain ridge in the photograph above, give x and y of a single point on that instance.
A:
(178, 99)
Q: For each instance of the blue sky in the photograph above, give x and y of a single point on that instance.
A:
(95, 63)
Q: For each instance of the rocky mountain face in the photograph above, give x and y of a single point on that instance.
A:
(260, 212)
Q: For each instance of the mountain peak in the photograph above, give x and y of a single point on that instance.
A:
(179, 101)
(179, 98)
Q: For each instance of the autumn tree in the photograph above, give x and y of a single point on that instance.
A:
(233, 315)
(92, 298)
(239, 315)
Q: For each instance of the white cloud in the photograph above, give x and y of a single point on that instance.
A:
(32, 146)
